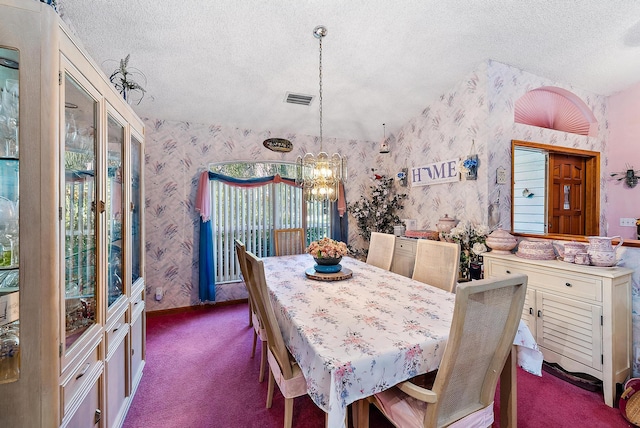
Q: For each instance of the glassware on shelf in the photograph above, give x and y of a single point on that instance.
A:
(9, 279)
(9, 352)
(9, 110)
(8, 233)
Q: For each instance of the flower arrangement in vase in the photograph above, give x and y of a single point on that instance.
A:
(327, 251)
(472, 239)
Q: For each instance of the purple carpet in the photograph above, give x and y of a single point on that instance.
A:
(199, 374)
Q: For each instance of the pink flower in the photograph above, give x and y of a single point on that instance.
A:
(327, 248)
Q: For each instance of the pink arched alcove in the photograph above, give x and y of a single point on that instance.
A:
(555, 108)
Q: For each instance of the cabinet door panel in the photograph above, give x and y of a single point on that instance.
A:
(9, 216)
(137, 347)
(80, 206)
(89, 413)
(116, 376)
(529, 311)
(136, 209)
(570, 328)
(114, 209)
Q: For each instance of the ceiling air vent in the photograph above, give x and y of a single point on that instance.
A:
(301, 99)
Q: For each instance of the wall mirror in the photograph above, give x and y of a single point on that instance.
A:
(555, 190)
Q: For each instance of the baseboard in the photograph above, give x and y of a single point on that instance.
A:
(582, 380)
(183, 309)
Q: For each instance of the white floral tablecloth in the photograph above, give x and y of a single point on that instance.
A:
(359, 336)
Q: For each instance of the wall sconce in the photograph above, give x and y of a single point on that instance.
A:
(384, 145)
(629, 176)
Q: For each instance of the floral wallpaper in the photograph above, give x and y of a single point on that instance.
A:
(175, 154)
(476, 115)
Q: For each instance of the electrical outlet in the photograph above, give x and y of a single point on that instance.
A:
(159, 293)
(627, 222)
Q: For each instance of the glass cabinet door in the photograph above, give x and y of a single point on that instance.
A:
(114, 209)
(80, 205)
(136, 205)
(9, 216)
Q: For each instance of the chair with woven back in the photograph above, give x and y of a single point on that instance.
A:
(381, 248)
(283, 368)
(289, 241)
(437, 263)
(254, 317)
(485, 321)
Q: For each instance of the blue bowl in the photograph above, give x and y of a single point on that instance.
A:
(328, 268)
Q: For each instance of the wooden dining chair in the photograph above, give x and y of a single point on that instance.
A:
(485, 321)
(289, 241)
(381, 248)
(254, 317)
(283, 369)
(437, 263)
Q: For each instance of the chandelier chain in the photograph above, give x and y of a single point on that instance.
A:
(320, 74)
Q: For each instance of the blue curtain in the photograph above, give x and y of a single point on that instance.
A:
(339, 220)
(207, 277)
(206, 262)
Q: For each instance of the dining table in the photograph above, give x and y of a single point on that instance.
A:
(360, 335)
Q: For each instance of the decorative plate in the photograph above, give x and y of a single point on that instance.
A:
(336, 276)
(278, 144)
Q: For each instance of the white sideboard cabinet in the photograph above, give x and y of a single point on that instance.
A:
(404, 256)
(72, 345)
(580, 315)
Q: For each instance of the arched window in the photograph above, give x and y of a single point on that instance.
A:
(555, 108)
(250, 214)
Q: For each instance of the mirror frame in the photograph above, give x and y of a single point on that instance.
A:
(592, 209)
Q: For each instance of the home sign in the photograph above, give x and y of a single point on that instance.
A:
(435, 173)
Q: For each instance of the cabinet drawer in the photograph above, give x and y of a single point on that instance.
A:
(81, 376)
(405, 247)
(136, 303)
(116, 330)
(570, 284)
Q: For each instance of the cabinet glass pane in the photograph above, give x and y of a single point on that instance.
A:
(114, 205)
(79, 210)
(136, 200)
(9, 217)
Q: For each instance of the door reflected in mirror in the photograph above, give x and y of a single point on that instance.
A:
(555, 190)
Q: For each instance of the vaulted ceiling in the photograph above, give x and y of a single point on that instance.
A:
(231, 62)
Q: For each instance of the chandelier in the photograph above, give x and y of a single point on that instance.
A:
(320, 175)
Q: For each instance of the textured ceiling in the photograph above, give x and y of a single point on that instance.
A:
(231, 62)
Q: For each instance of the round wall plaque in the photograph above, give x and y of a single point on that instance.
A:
(278, 144)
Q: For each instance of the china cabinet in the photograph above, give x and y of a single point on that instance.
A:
(72, 321)
(579, 315)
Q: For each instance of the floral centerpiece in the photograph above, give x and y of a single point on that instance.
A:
(327, 251)
(379, 212)
(472, 239)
